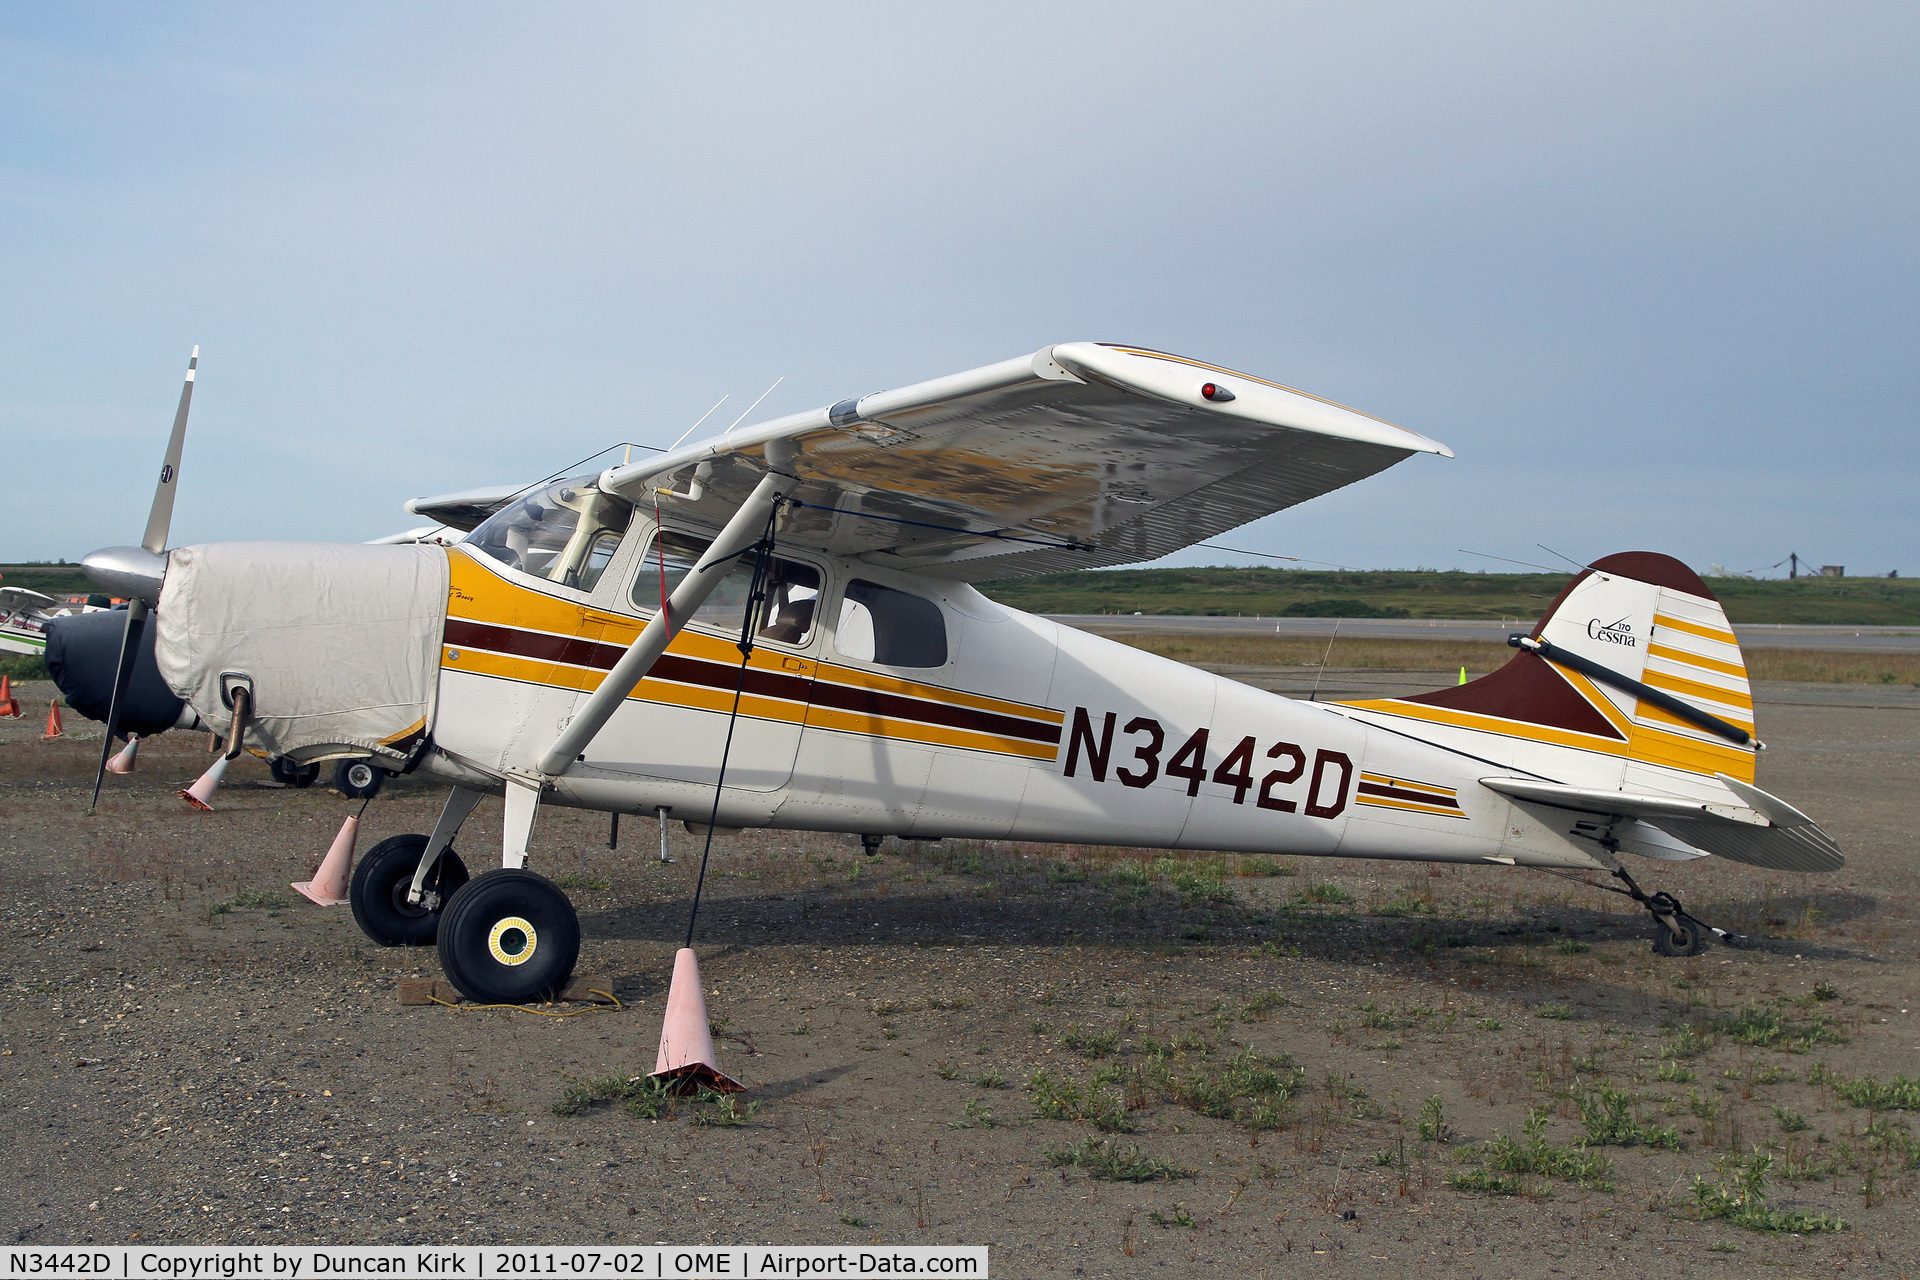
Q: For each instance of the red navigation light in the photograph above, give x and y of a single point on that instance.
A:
(1215, 392)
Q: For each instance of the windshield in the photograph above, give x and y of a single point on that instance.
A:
(565, 532)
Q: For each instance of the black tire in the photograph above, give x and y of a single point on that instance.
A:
(509, 937)
(290, 774)
(380, 885)
(1665, 944)
(358, 779)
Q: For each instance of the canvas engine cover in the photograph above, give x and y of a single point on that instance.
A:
(341, 643)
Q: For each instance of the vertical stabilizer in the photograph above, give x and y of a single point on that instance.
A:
(1664, 649)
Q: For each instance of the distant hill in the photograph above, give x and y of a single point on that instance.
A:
(55, 580)
(1423, 594)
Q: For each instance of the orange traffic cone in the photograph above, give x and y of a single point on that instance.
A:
(200, 794)
(127, 759)
(329, 884)
(53, 722)
(9, 705)
(686, 1041)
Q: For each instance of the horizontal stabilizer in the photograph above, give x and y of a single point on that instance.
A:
(1763, 832)
(1617, 803)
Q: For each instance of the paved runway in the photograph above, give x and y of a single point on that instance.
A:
(1752, 635)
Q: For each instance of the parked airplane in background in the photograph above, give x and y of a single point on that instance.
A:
(24, 616)
(777, 628)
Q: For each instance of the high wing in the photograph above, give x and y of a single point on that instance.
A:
(1079, 456)
(466, 509)
(17, 598)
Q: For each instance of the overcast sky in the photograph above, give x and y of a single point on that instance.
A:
(1648, 269)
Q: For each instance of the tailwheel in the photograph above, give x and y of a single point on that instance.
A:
(1679, 935)
(383, 881)
(508, 937)
(1675, 933)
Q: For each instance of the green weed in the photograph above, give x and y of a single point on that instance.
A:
(1766, 1029)
(1897, 1094)
(1106, 1160)
(1740, 1198)
(1607, 1116)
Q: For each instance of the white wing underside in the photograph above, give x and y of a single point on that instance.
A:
(1079, 456)
(12, 598)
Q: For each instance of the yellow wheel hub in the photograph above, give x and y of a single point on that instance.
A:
(513, 940)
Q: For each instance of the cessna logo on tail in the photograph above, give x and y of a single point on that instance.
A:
(1612, 632)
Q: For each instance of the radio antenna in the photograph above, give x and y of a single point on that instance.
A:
(696, 426)
(1314, 696)
(750, 408)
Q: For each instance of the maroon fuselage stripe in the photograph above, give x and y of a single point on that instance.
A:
(577, 652)
(1400, 793)
(871, 702)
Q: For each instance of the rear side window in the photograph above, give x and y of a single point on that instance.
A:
(892, 628)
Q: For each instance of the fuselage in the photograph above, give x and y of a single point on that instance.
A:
(1023, 730)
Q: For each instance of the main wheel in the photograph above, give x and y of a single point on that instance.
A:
(358, 779)
(381, 883)
(1692, 942)
(508, 937)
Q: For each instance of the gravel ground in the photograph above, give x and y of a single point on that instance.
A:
(188, 1053)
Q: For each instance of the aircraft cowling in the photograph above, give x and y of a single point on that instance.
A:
(339, 641)
(83, 652)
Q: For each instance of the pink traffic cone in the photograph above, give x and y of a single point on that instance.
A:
(686, 1042)
(128, 757)
(329, 884)
(200, 794)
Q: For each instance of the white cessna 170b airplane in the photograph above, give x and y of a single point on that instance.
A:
(775, 628)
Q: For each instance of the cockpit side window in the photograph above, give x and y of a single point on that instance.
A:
(786, 616)
(565, 532)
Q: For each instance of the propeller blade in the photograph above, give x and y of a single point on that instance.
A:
(129, 648)
(161, 516)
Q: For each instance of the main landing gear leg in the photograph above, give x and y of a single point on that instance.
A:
(523, 804)
(460, 803)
